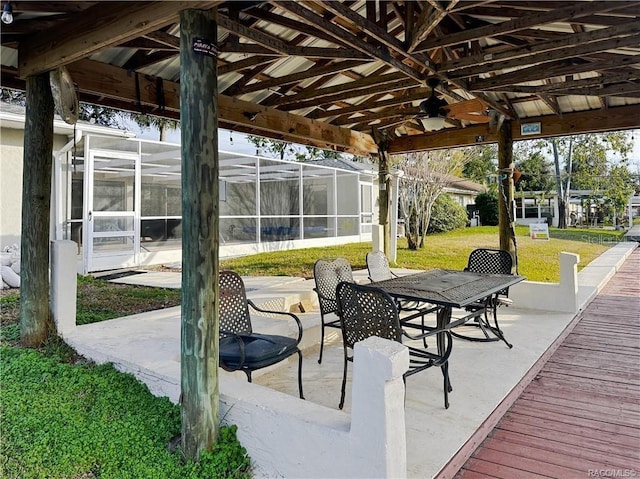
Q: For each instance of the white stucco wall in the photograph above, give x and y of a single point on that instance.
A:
(11, 156)
(11, 148)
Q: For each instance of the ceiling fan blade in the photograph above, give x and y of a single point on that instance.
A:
(476, 118)
(466, 106)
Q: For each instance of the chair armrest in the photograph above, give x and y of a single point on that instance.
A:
(282, 313)
(427, 331)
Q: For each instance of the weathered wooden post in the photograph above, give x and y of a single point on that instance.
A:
(200, 210)
(35, 315)
(384, 184)
(505, 165)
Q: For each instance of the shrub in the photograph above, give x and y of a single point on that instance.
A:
(447, 215)
(487, 204)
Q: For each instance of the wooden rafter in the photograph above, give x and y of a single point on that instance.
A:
(551, 70)
(382, 54)
(570, 44)
(527, 21)
(98, 27)
(578, 49)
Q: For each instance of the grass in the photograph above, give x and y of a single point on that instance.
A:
(538, 260)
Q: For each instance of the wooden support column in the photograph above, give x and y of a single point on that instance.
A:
(384, 185)
(35, 314)
(200, 218)
(505, 186)
(383, 198)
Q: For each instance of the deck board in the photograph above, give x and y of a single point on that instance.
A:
(582, 411)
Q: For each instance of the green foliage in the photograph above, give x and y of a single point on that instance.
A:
(536, 171)
(228, 459)
(285, 150)
(447, 215)
(481, 164)
(61, 420)
(10, 333)
(487, 204)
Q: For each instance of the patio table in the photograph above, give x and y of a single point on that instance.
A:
(447, 289)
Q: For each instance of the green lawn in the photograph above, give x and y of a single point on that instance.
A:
(538, 260)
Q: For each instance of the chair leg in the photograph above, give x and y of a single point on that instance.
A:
(344, 382)
(321, 337)
(447, 384)
(300, 374)
(248, 373)
(498, 331)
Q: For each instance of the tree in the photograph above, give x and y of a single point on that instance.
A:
(481, 163)
(426, 174)
(150, 121)
(285, 150)
(584, 162)
(535, 169)
(618, 190)
(98, 115)
(487, 204)
(447, 215)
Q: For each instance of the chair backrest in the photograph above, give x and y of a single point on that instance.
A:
(492, 261)
(378, 266)
(366, 311)
(234, 309)
(327, 275)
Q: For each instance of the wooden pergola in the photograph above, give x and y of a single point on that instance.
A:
(344, 75)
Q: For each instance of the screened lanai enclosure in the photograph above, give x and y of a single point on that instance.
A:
(123, 200)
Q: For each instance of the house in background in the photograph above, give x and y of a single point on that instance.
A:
(120, 198)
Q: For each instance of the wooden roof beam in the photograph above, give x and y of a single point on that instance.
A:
(527, 21)
(312, 72)
(619, 118)
(103, 25)
(569, 42)
(428, 20)
(108, 81)
(378, 33)
(577, 50)
(556, 69)
(378, 52)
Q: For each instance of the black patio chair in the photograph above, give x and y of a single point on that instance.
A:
(379, 270)
(327, 274)
(490, 261)
(367, 311)
(242, 349)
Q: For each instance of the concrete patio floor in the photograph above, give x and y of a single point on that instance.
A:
(482, 374)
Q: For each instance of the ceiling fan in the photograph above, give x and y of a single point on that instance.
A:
(435, 111)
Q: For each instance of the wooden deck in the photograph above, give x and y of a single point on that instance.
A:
(580, 416)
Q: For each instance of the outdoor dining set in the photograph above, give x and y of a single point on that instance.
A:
(398, 308)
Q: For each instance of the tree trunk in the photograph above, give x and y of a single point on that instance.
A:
(411, 231)
(505, 195)
(35, 314)
(200, 220)
(562, 214)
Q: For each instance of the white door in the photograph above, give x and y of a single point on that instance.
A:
(112, 210)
